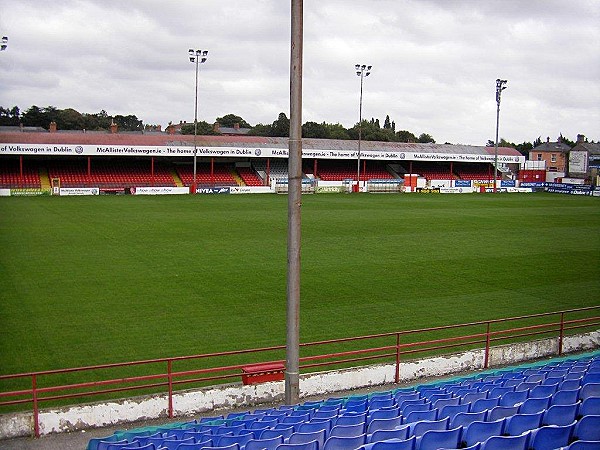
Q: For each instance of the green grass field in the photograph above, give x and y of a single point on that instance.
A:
(108, 279)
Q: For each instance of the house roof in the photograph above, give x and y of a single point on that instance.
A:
(555, 147)
(591, 148)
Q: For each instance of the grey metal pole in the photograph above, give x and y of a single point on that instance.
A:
(195, 125)
(362, 71)
(197, 57)
(499, 88)
(292, 366)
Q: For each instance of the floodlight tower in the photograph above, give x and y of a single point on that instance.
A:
(362, 70)
(197, 57)
(500, 86)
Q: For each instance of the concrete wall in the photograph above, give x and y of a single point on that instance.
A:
(322, 383)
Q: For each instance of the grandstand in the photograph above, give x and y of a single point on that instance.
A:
(104, 160)
(541, 406)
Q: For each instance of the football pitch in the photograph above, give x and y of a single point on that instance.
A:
(108, 279)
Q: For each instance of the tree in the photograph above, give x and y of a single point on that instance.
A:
(336, 131)
(260, 130)
(314, 130)
(69, 119)
(386, 123)
(10, 116)
(128, 123)
(203, 129)
(229, 120)
(425, 138)
(281, 127)
(405, 136)
(35, 117)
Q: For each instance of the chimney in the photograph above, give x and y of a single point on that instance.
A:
(113, 127)
(580, 139)
(52, 127)
(216, 127)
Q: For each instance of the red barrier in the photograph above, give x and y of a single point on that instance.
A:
(370, 348)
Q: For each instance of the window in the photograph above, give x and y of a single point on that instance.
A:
(553, 157)
(539, 156)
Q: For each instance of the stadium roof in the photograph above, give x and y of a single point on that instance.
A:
(165, 139)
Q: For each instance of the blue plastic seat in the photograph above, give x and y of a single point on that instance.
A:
(407, 409)
(513, 398)
(419, 428)
(543, 391)
(560, 414)
(271, 433)
(464, 419)
(143, 447)
(570, 383)
(520, 423)
(434, 439)
(473, 396)
(300, 438)
(103, 444)
(384, 424)
(240, 439)
(172, 444)
(190, 446)
(589, 390)
(351, 419)
(416, 416)
(565, 397)
(267, 444)
(308, 427)
(590, 406)
(344, 442)
(588, 428)
(227, 447)
(484, 404)
(347, 430)
(481, 431)
(533, 405)
(499, 391)
(325, 414)
(551, 437)
(392, 444)
(442, 402)
(584, 445)
(383, 435)
(506, 442)
(313, 445)
(386, 413)
(591, 377)
(500, 412)
(381, 402)
(143, 440)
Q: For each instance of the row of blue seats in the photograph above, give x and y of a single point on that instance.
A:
(477, 435)
(546, 400)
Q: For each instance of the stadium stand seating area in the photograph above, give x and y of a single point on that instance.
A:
(474, 171)
(10, 174)
(249, 176)
(108, 174)
(544, 406)
(222, 174)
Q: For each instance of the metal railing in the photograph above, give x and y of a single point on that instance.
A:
(160, 375)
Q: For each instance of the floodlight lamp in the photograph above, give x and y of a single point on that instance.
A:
(357, 67)
(369, 67)
(192, 59)
(191, 51)
(205, 52)
(358, 73)
(203, 60)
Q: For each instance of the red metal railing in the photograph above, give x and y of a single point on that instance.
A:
(343, 352)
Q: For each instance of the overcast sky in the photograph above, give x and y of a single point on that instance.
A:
(435, 62)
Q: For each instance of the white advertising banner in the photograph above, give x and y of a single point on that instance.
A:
(4, 192)
(125, 150)
(155, 190)
(456, 190)
(251, 190)
(79, 191)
